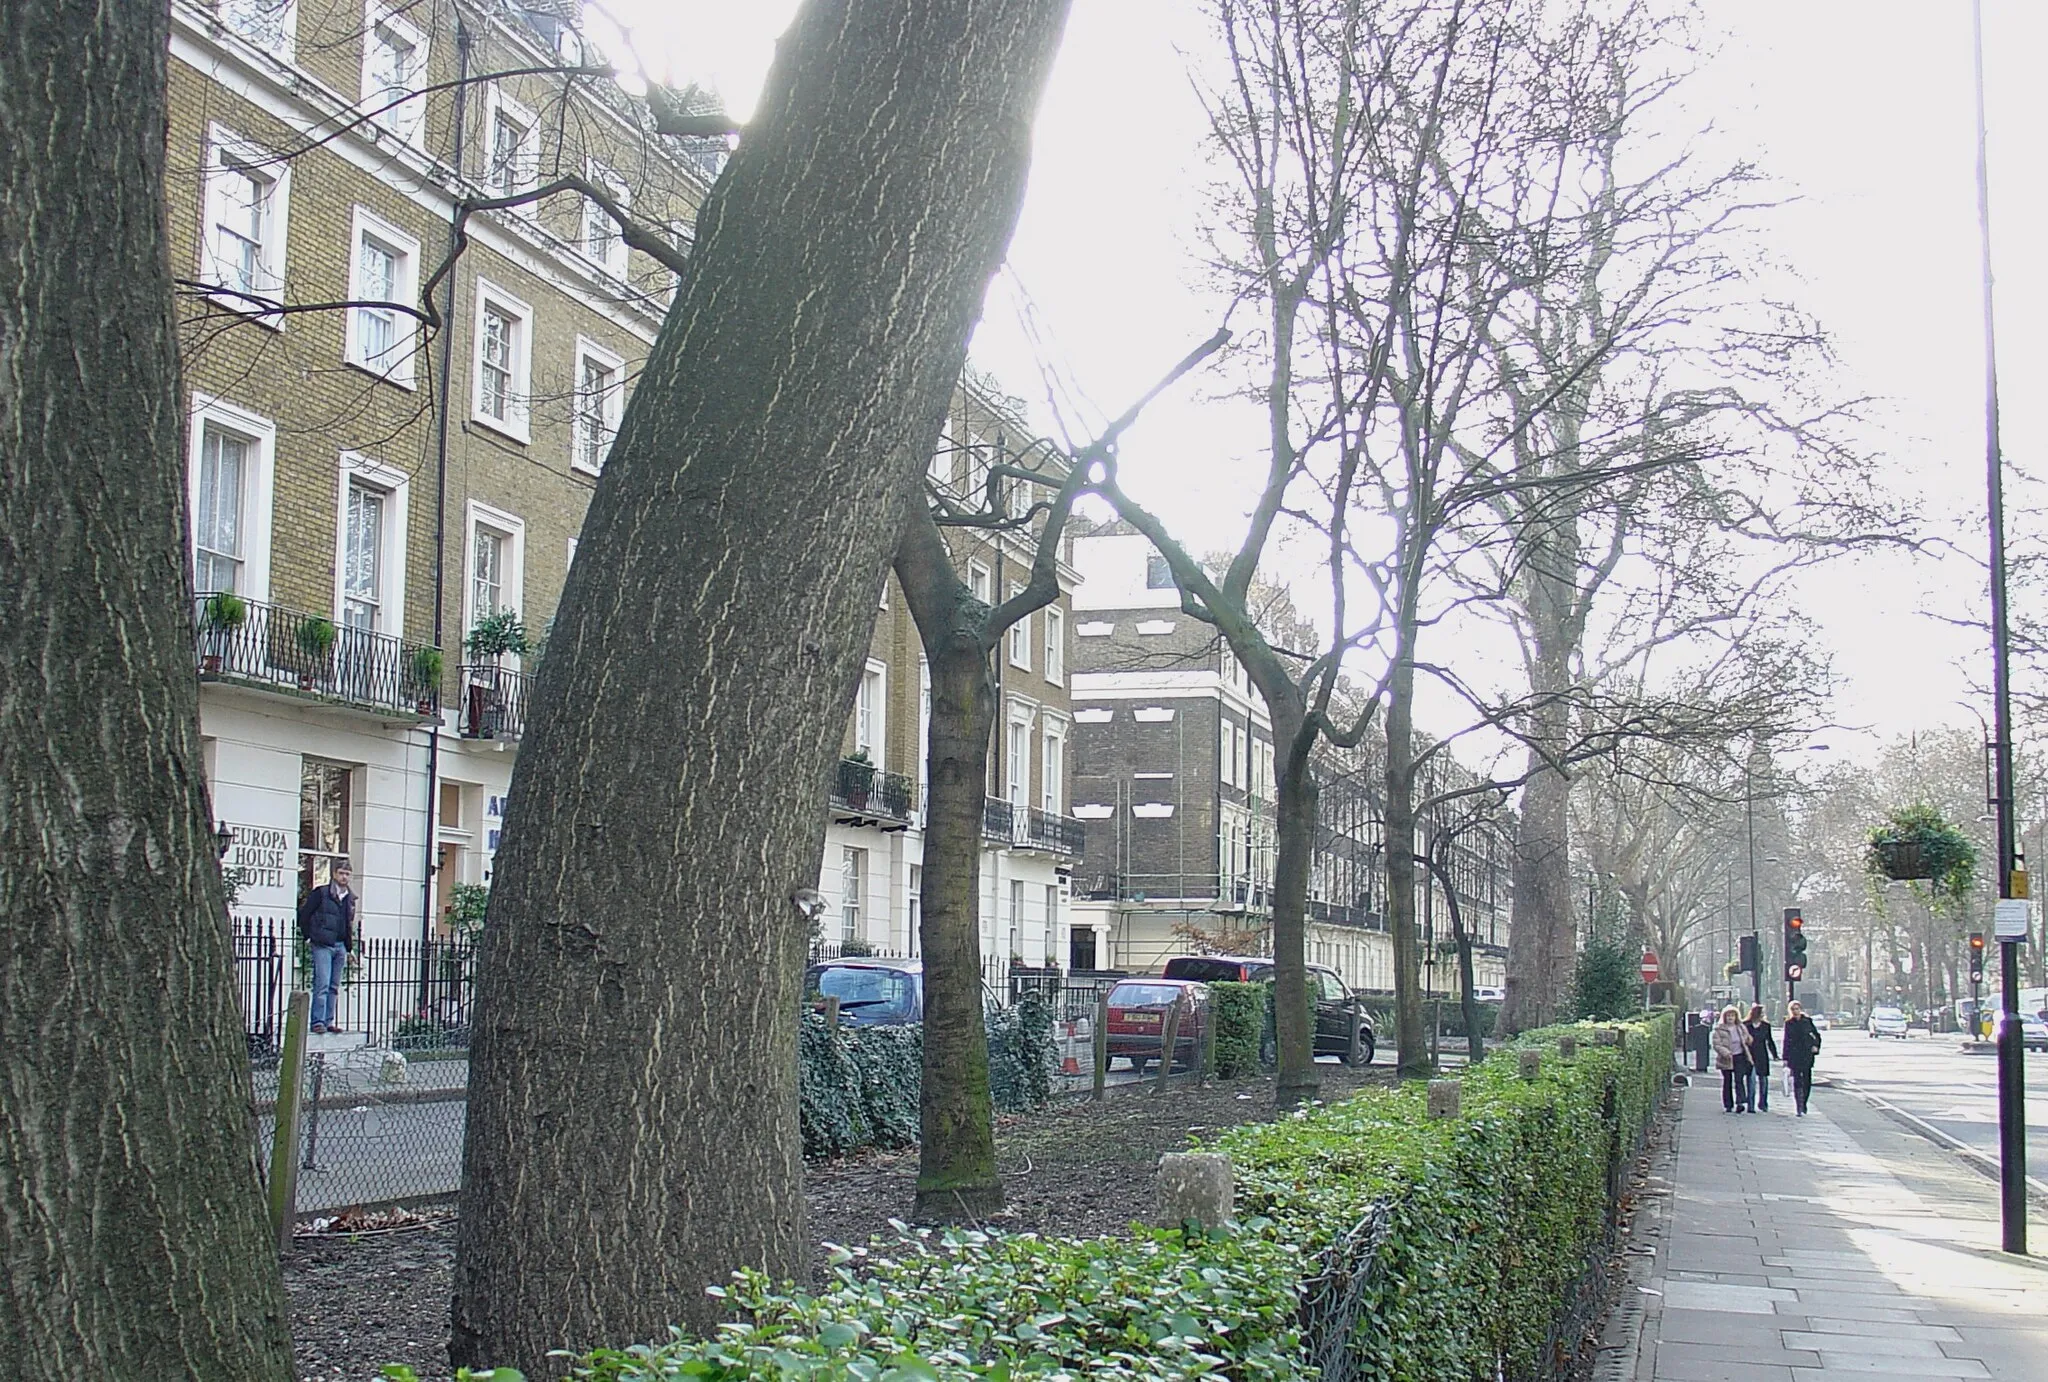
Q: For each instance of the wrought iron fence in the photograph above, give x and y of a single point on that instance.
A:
(404, 994)
(494, 702)
(861, 786)
(254, 643)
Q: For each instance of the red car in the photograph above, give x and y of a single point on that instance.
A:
(1137, 1020)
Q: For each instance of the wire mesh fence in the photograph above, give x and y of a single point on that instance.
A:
(377, 1127)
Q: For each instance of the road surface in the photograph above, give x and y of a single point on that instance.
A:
(1935, 1081)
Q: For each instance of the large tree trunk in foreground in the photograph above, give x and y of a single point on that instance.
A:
(132, 1236)
(1536, 983)
(633, 1112)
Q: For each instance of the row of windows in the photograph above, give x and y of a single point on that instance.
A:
(232, 482)
(870, 723)
(247, 200)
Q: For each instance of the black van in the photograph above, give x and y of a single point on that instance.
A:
(1336, 1007)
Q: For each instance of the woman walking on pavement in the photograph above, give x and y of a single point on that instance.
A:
(1731, 1044)
(1763, 1048)
(1802, 1044)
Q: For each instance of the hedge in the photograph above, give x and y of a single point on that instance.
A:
(1376, 1243)
(1239, 1011)
(858, 1087)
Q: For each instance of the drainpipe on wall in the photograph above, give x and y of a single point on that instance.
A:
(463, 40)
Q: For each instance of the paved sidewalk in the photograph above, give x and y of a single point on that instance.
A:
(1829, 1247)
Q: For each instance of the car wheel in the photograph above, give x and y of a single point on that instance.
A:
(1364, 1056)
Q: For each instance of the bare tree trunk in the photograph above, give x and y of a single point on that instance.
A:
(133, 1242)
(633, 1113)
(1408, 1037)
(1295, 832)
(956, 1173)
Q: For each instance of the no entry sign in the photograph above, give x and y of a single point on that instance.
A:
(1651, 968)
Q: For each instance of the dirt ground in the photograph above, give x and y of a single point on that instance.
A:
(362, 1300)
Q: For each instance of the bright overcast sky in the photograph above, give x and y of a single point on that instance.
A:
(1859, 108)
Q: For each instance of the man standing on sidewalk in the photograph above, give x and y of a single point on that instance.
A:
(327, 922)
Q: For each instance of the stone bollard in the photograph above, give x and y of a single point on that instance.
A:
(1567, 1048)
(1531, 1064)
(1195, 1186)
(1609, 1036)
(1443, 1098)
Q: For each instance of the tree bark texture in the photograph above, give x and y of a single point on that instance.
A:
(1294, 840)
(133, 1240)
(633, 1113)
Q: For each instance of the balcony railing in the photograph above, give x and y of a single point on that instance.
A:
(873, 796)
(1027, 827)
(290, 651)
(494, 701)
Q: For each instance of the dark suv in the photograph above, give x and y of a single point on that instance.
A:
(1336, 1007)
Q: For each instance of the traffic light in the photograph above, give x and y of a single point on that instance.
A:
(1795, 945)
(1976, 957)
(1746, 956)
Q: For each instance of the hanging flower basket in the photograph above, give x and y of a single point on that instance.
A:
(1916, 843)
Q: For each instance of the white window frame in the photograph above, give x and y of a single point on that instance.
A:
(258, 480)
(525, 172)
(1055, 645)
(281, 40)
(405, 290)
(871, 713)
(611, 409)
(924, 723)
(1224, 757)
(513, 529)
(395, 484)
(940, 468)
(225, 151)
(853, 870)
(979, 583)
(406, 121)
(1052, 770)
(1016, 766)
(614, 256)
(517, 422)
(1020, 637)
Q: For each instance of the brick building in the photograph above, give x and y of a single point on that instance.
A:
(1175, 782)
(368, 484)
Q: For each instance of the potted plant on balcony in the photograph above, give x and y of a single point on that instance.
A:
(316, 639)
(490, 640)
(857, 775)
(423, 679)
(225, 612)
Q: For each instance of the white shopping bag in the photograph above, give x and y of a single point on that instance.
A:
(1785, 1081)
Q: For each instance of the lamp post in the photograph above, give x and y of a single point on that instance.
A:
(2012, 878)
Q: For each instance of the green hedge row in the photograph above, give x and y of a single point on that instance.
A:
(858, 1087)
(1240, 1015)
(1376, 1243)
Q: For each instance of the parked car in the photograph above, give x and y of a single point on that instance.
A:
(1137, 1020)
(1887, 1022)
(1822, 1022)
(1336, 1008)
(2033, 1032)
(875, 991)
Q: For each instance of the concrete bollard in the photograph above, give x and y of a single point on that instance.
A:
(1443, 1098)
(1195, 1186)
(1530, 1064)
(1609, 1036)
(1567, 1048)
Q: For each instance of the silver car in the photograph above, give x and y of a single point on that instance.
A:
(1887, 1022)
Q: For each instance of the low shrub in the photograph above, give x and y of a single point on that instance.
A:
(1239, 1012)
(1378, 1243)
(859, 1087)
(1156, 1304)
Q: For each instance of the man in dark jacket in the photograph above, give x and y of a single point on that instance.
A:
(1801, 1045)
(327, 922)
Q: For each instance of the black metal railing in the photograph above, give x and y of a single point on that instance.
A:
(494, 701)
(1027, 827)
(997, 818)
(401, 993)
(289, 650)
(864, 788)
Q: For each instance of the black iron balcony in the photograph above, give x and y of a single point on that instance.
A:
(1027, 827)
(865, 795)
(250, 643)
(494, 701)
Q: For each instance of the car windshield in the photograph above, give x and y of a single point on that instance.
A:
(1143, 995)
(1207, 968)
(1887, 1015)
(875, 995)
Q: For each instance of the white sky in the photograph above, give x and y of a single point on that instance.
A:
(1862, 109)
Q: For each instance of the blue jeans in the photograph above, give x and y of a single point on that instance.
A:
(1760, 1088)
(329, 963)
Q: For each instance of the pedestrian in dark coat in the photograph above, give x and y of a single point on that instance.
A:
(327, 922)
(1700, 1038)
(1763, 1049)
(1802, 1045)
